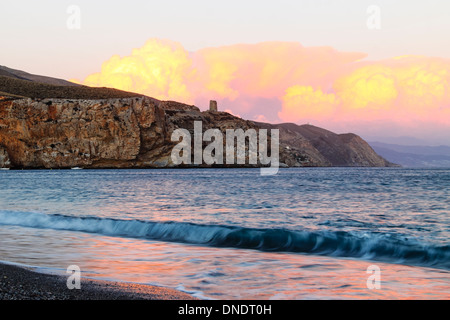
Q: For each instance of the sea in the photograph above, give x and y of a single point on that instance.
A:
(305, 233)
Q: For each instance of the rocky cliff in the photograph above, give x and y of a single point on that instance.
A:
(136, 132)
(53, 133)
(319, 147)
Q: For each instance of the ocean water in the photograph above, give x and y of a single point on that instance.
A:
(306, 233)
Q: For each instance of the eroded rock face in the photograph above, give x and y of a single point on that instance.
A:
(136, 133)
(86, 133)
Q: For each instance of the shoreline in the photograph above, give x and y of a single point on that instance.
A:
(210, 168)
(22, 283)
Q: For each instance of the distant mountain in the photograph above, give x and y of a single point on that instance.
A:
(414, 156)
(398, 140)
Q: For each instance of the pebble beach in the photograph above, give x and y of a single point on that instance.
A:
(19, 283)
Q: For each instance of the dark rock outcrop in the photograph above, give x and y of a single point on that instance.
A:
(319, 147)
(22, 88)
(22, 75)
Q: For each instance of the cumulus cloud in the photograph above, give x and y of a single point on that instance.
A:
(302, 83)
(399, 89)
(161, 68)
(267, 69)
(304, 102)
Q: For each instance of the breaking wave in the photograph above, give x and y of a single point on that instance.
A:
(339, 244)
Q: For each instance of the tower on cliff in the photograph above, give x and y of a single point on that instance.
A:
(213, 106)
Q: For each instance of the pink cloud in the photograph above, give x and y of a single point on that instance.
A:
(284, 81)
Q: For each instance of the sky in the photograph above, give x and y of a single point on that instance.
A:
(378, 68)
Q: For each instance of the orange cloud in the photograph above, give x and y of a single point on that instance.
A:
(398, 89)
(371, 86)
(303, 102)
(302, 84)
(266, 69)
(161, 69)
(425, 85)
(407, 91)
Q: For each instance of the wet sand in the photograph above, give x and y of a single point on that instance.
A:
(19, 283)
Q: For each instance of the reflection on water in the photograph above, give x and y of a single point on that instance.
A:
(216, 272)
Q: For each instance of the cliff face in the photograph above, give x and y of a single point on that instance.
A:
(136, 133)
(54, 133)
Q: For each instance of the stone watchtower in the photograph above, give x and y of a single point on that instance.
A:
(213, 106)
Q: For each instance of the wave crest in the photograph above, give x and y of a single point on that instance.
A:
(339, 244)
